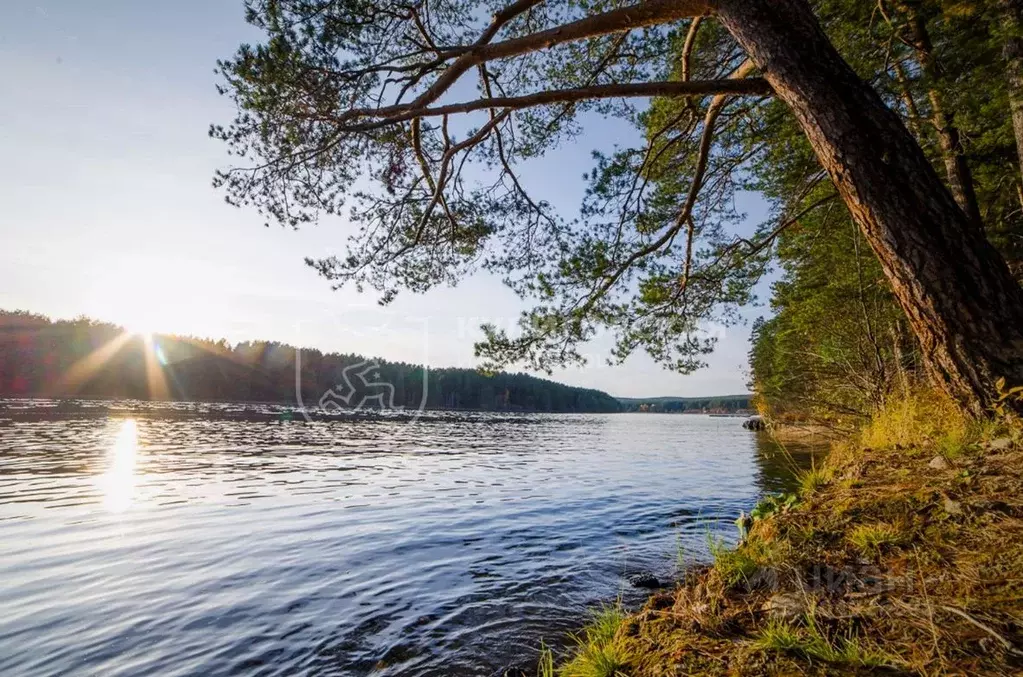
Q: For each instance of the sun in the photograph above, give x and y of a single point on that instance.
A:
(139, 327)
(146, 336)
(137, 313)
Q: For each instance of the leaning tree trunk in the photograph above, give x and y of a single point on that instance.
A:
(956, 290)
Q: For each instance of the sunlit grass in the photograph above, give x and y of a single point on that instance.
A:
(810, 642)
(604, 623)
(814, 478)
(778, 635)
(871, 539)
(741, 564)
(908, 421)
(545, 668)
(734, 565)
(930, 421)
(599, 652)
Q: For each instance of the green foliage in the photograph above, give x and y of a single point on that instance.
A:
(813, 478)
(773, 504)
(545, 666)
(330, 122)
(778, 635)
(433, 202)
(921, 419)
(609, 660)
(954, 444)
(836, 342)
(604, 623)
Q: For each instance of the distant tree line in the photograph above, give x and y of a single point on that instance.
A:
(713, 405)
(84, 358)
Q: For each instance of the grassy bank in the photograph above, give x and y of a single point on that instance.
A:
(904, 553)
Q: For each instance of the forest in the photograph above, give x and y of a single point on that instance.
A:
(724, 404)
(84, 358)
(836, 345)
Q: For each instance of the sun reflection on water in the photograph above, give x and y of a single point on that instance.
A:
(118, 482)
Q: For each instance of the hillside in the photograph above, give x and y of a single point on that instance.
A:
(40, 357)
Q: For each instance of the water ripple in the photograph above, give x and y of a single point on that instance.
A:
(163, 545)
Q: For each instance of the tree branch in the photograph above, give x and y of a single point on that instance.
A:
(706, 142)
(649, 13)
(390, 115)
(687, 48)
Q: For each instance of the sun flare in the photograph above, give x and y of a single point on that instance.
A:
(140, 329)
(138, 317)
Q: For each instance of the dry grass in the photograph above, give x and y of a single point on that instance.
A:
(887, 561)
(926, 421)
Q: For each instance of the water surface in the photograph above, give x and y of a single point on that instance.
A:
(151, 545)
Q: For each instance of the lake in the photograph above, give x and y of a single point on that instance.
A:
(150, 543)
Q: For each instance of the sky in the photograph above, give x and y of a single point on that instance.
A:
(108, 211)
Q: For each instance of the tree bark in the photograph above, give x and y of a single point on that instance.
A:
(956, 290)
(1012, 25)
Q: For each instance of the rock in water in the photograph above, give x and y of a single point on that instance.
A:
(644, 580)
(754, 423)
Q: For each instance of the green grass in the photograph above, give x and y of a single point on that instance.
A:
(928, 422)
(921, 419)
(773, 504)
(598, 653)
(604, 624)
(780, 636)
(597, 661)
(907, 421)
(871, 539)
(545, 668)
(810, 642)
(813, 479)
(680, 556)
(735, 565)
(953, 445)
